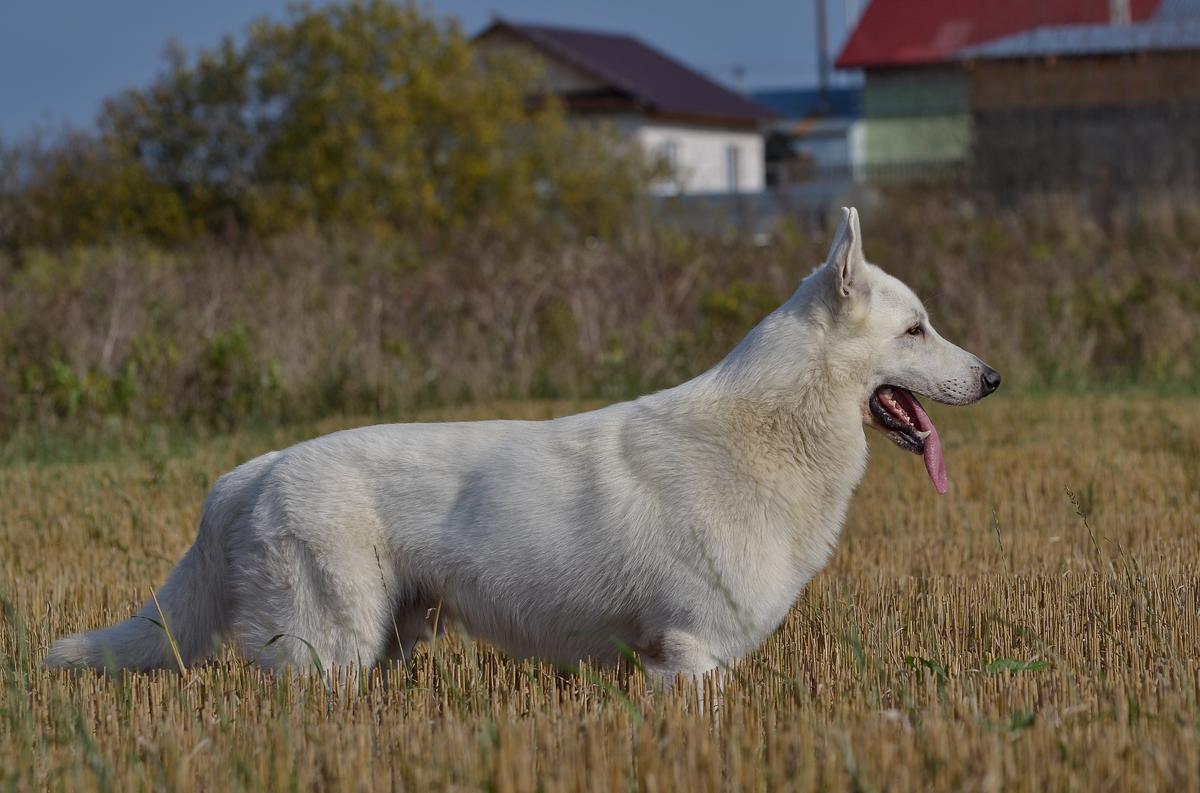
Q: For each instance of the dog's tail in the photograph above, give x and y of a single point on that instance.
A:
(190, 615)
(187, 619)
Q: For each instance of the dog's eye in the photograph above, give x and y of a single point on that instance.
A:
(916, 330)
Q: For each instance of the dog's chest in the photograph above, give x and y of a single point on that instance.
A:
(789, 536)
(786, 558)
(803, 505)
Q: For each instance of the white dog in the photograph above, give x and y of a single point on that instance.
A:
(682, 525)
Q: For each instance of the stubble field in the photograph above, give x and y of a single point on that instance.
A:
(1037, 628)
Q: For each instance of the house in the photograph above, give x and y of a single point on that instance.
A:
(710, 137)
(1022, 95)
(817, 136)
(1107, 106)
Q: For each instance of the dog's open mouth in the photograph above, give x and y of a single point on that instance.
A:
(898, 414)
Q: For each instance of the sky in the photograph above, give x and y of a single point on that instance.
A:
(60, 58)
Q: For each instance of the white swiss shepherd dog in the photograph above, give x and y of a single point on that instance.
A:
(683, 524)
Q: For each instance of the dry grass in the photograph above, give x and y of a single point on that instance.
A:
(986, 640)
(1054, 293)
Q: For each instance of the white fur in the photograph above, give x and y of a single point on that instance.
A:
(682, 524)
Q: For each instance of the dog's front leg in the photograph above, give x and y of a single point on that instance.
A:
(671, 656)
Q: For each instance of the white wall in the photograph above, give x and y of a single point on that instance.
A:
(701, 156)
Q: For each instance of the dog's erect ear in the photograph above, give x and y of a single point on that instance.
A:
(845, 260)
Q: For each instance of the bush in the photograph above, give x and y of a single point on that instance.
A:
(308, 325)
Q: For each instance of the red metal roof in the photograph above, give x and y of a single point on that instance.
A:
(911, 32)
(659, 82)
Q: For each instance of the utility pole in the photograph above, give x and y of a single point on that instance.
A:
(822, 56)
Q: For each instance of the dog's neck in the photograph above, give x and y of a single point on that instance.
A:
(786, 368)
(793, 436)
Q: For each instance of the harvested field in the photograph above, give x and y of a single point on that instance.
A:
(1038, 628)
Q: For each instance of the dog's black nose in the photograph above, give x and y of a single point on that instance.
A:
(991, 380)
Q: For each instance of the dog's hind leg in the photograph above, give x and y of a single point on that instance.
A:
(302, 609)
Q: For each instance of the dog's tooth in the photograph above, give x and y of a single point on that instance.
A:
(923, 434)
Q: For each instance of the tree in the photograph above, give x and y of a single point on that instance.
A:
(363, 115)
(81, 189)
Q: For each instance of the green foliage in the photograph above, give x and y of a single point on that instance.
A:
(730, 311)
(84, 189)
(230, 375)
(935, 668)
(365, 115)
(1022, 720)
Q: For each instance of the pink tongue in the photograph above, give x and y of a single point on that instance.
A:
(934, 463)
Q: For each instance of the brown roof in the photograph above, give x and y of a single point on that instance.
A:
(656, 82)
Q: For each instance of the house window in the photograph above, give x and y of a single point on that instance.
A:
(670, 179)
(670, 157)
(733, 168)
